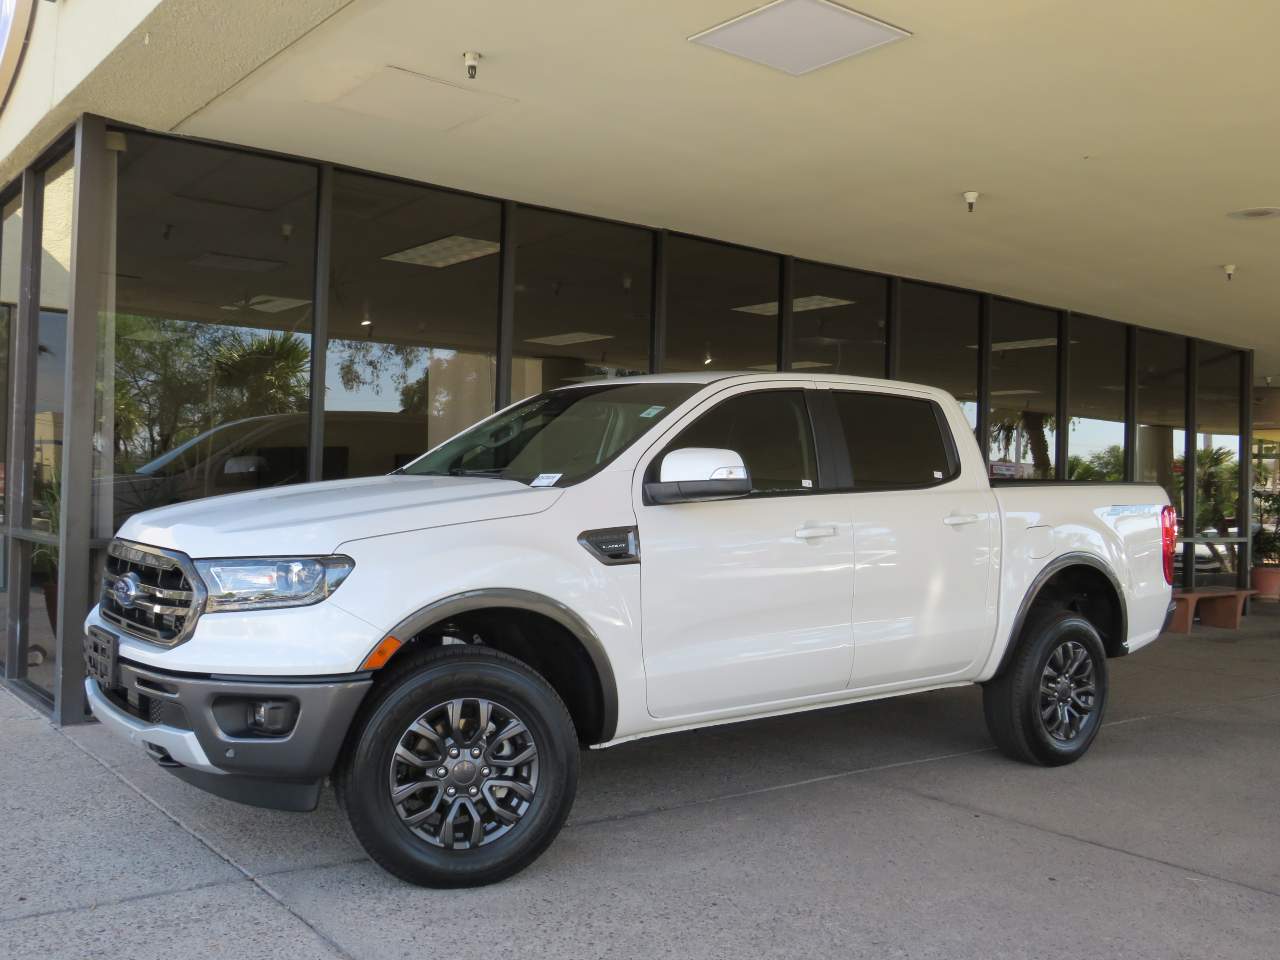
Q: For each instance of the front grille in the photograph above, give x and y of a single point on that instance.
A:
(150, 593)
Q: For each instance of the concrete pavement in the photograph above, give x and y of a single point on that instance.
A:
(887, 829)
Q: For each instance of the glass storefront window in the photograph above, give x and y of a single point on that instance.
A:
(51, 339)
(582, 296)
(413, 321)
(1217, 452)
(204, 344)
(722, 307)
(837, 320)
(1024, 391)
(1095, 400)
(939, 338)
(1162, 412)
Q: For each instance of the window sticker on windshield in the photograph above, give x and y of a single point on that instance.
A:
(937, 474)
(652, 412)
(806, 483)
(545, 479)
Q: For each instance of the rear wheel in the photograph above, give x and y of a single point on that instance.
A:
(1047, 706)
(462, 769)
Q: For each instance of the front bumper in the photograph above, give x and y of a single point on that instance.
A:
(194, 726)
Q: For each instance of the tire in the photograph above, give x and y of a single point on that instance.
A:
(425, 719)
(1047, 723)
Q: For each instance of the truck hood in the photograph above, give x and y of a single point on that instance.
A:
(314, 518)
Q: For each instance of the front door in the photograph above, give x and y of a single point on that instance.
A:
(748, 601)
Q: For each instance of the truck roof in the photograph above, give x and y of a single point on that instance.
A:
(716, 376)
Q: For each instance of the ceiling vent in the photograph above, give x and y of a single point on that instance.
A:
(799, 36)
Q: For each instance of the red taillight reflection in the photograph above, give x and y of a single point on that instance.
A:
(1168, 539)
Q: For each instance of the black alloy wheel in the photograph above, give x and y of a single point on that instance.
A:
(460, 769)
(1046, 706)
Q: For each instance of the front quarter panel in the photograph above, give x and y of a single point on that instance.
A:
(398, 575)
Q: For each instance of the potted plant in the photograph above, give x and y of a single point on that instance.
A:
(1266, 563)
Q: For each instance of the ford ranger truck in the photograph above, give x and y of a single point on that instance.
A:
(604, 562)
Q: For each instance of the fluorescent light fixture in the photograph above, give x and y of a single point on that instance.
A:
(1021, 344)
(445, 252)
(231, 261)
(267, 304)
(798, 305)
(566, 339)
(797, 365)
(799, 36)
(1014, 393)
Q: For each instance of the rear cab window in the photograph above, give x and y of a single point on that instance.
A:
(895, 442)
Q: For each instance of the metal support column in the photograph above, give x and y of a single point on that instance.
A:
(983, 429)
(1244, 509)
(75, 592)
(893, 330)
(506, 302)
(1189, 469)
(658, 302)
(1063, 434)
(1130, 404)
(786, 271)
(320, 323)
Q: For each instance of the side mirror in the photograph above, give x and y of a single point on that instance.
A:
(699, 473)
(238, 466)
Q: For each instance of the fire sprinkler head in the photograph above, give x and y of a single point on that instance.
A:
(971, 197)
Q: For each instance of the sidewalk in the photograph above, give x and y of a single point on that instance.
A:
(887, 829)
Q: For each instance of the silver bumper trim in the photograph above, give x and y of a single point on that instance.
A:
(182, 745)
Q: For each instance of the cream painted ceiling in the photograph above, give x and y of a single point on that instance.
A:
(1108, 139)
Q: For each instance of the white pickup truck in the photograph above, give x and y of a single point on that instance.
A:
(605, 562)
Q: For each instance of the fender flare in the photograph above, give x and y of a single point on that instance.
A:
(1047, 573)
(487, 599)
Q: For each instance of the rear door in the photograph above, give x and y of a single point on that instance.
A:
(747, 601)
(924, 531)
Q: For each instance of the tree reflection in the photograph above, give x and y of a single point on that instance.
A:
(175, 380)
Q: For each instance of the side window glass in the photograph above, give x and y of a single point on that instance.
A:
(770, 429)
(894, 442)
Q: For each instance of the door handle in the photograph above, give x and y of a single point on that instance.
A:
(959, 519)
(816, 533)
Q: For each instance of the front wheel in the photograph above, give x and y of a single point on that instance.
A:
(461, 770)
(1046, 707)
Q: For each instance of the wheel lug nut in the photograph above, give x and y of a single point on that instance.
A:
(453, 752)
(442, 771)
(484, 771)
(475, 751)
(473, 791)
(451, 791)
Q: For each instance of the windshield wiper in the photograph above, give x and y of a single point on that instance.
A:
(490, 472)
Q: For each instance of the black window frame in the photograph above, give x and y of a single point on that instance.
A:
(651, 471)
(847, 480)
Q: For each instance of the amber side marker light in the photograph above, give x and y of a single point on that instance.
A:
(381, 653)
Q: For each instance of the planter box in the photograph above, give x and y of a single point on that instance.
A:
(1266, 580)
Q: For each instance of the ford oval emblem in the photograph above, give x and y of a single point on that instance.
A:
(127, 589)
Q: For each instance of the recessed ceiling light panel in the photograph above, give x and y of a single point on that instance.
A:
(799, 36)
(798, 305)
(567, 339)
(445, 252)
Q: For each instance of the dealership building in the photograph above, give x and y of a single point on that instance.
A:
(247, 244)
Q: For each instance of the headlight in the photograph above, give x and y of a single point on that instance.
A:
(260, 583)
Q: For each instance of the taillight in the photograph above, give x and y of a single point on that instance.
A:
(1168, 539)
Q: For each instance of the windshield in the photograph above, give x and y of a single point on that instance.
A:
(556, 438)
